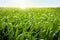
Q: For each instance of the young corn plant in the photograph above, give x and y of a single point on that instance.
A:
(30, 24)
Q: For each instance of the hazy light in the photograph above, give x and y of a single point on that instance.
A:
(29, 3)
(23, 6)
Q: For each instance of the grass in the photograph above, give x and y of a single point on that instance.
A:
(30, 24)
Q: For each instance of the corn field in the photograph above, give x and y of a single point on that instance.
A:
(30, 24)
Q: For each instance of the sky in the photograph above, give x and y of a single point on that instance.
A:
(29, 3)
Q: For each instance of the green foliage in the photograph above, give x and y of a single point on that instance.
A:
(30, 24)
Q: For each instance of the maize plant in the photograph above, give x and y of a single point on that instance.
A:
(30, 24)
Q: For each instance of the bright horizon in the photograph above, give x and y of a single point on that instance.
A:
(29, 3)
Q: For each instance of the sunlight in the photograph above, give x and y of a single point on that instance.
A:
(23, 6)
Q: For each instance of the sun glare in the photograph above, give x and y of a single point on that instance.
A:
(23, 6)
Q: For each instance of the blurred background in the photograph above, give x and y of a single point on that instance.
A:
(29, 3)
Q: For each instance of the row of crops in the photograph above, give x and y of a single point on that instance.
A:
(30, 24)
